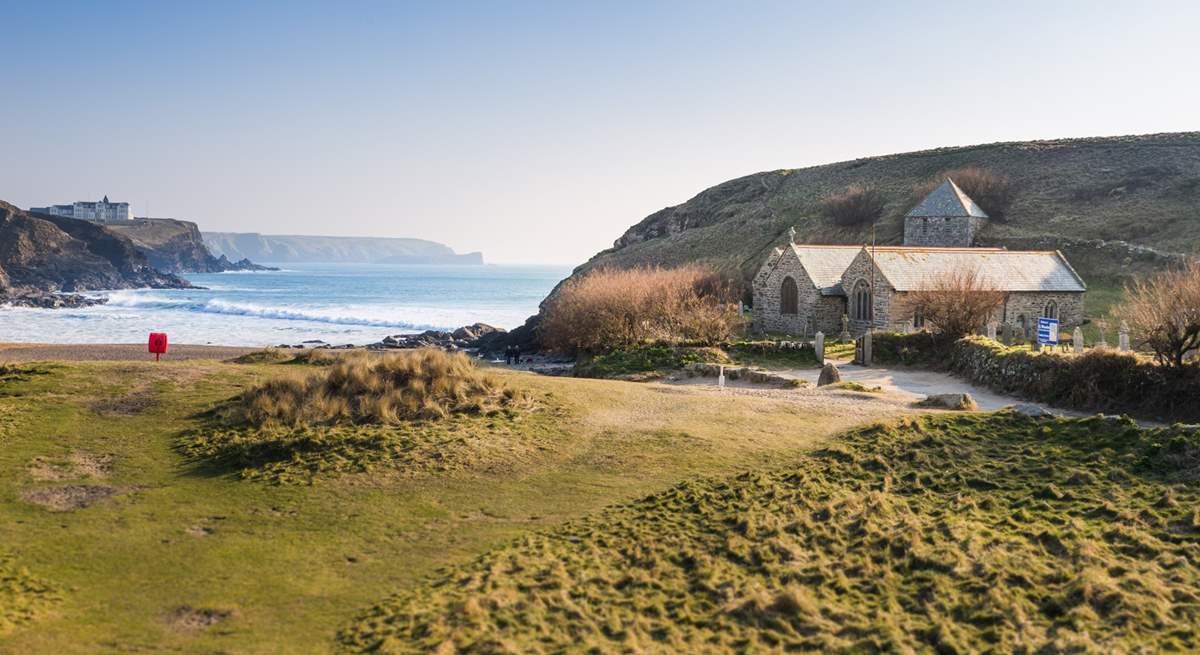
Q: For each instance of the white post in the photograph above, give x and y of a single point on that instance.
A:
(1077, 340)
(991, 331)
(819, 347)
(1123, 337)
(721, 378)
(867, 348)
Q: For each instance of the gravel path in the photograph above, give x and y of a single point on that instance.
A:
(36, 352)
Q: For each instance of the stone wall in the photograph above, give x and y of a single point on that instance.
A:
(768, 286)
(941, 231)
(884, 295)
(1032, 304)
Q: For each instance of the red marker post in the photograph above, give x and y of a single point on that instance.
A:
(158, 344)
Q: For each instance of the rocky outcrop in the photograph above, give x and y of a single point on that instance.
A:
(40, 253)
(176, 246)
(480, 336)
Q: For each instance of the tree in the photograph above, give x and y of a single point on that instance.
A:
(1163, 313)
(854, 206)
(956, 303)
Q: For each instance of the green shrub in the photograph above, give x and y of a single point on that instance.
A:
(772, 353)
(646, 357)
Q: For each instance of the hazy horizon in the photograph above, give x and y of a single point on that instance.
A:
(537, 133)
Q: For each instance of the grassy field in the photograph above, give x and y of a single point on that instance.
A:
(618, 516)
(114, 537)
(949, 534)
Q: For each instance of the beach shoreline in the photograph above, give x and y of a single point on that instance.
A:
(130, 352)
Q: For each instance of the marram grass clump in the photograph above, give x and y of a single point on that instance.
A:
(416, 411)
(378, 389)
(951, 534)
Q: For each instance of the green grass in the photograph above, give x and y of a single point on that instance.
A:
(942, 534)
(184, 556)
(768, 354)
(645, 358)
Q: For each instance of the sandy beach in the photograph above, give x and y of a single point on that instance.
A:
(48, 352)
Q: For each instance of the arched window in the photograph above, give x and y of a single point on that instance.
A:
(1051, 310)
(919, 318)
(788, 297)
(860, 302)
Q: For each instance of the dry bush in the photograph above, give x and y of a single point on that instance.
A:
(364, 388)
(1163, 312)
(954, 304)
(855, 206)
(994, 193)
(614, 308)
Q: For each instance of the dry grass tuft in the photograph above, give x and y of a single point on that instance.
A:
(620, 308)
(388, 389)
(857, 205)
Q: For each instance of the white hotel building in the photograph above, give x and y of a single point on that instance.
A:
(102, 211)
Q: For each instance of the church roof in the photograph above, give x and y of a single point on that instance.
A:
(825, 264)
(947, 201)
(909, 268)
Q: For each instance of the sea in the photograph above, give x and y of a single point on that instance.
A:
(335, 303)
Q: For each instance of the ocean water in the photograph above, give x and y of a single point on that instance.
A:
(337, 303)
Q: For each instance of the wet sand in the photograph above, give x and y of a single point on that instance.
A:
(51, 352)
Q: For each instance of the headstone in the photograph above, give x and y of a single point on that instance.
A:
(829, 375)
(991, 331)
(1101, 341)
(1123, 337)
(909, 327)
(867, 348)
(1007, 337)
(1077, 340)
(845, 335)
(819, 346)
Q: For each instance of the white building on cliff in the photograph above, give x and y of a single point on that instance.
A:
(101, 211)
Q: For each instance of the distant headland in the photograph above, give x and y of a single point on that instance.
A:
(284, 249)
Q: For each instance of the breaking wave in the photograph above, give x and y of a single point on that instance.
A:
(219, 306)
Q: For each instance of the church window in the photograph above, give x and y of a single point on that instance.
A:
(788, 297)
(861, 302)
(1051, 310)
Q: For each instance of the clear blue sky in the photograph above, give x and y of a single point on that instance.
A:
(537, 132)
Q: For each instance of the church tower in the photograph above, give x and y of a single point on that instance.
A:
(946, 217)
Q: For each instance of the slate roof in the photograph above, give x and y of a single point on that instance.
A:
(947, 201)
(825, 265)
(1009, 270)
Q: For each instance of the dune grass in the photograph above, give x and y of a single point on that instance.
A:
(176, 559)
(412, 412)
(945, 534)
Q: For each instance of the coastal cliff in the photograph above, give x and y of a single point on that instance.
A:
(350, 250)
(42, 254)
(176, 246)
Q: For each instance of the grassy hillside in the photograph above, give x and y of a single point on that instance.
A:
(113, 537)
(952, 534)
(1073, 195)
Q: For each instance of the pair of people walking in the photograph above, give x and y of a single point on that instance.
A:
(512, 355)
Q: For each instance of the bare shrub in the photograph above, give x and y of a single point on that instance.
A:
(1163, 313)
(856, 205)
(954, 304)
(993, 192)
(365, 388)
(617, 308)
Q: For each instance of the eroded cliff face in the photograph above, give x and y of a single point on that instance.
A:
(176, 246)
(40, 253)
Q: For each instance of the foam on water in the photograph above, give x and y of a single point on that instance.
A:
(336, 303)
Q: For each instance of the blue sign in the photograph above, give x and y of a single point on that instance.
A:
(1048, 331)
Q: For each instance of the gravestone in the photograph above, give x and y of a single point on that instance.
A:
(991, 331)
(866, 339)
(1123, 337)
(1101, 341)
(845, 335)
(819, 346)
(1077, 340)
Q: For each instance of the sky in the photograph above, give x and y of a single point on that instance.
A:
(539, 132)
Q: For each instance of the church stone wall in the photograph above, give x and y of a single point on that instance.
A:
(768, 287)
(940, 231)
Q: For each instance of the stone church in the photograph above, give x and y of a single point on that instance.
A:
(802, 289)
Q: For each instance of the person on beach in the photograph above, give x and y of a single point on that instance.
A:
(508, 354)
(516, 354)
